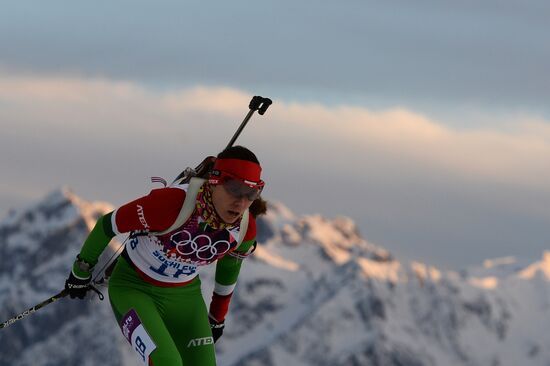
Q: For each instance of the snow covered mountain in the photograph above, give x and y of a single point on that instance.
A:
(313, 293)
(37, 246)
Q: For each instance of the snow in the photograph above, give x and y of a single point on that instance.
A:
(424, 272)
(314, 293)
(380, 270)
(275, 260)
(488, 283)
(542, 268)
(503, 261)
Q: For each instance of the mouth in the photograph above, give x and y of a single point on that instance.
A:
(233, 214)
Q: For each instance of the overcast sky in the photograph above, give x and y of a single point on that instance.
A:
(427, 122)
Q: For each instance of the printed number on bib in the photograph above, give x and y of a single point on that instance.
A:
(136, 334)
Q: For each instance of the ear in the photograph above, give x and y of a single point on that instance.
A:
(258, 207)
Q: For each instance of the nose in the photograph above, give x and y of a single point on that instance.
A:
(240, 201)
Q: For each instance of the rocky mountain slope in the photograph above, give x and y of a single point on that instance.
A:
(314, 293)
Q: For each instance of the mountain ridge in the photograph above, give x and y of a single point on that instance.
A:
(314, 293)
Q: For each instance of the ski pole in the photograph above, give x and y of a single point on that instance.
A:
(35, 308)
(257, 103)
(104, 272)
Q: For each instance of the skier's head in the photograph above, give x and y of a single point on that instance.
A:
(235, 182)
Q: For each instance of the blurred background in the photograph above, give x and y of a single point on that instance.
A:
(427, 123)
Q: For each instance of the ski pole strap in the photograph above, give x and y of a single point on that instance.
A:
(99, 294)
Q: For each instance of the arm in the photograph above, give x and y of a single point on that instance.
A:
(227, 273)
(95, 243)
(154, 212)
(80, 277)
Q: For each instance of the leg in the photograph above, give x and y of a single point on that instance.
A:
(186, 318)
(125, 295)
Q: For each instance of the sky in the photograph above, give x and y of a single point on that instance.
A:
(426, 122)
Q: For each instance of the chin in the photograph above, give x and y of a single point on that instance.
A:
(232, 222)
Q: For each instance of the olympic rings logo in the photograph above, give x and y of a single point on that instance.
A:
(200, 245)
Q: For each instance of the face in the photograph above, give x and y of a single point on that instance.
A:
(228, 207)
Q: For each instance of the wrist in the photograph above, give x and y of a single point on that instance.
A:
(214, 320)
(219, 307)
(216, 326)
(82, 269)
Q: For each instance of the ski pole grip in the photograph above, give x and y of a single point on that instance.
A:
(259, 104)
(266, 103)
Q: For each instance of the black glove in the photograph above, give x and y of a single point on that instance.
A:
(217, 328)
(78, 286)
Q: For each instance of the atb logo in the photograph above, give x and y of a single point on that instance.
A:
(200, 342)
(201, 246)
(141, 216)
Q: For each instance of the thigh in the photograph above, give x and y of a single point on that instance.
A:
(133, 306)
(187, 321)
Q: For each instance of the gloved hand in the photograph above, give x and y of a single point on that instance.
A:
(77, 287)
(217, 328)
(79, 279)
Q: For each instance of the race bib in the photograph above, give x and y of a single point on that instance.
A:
(136, 334)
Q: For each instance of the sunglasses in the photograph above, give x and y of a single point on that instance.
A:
(238, 189)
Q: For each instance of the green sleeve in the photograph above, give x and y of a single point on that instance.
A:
(228, 267)
(97, 241)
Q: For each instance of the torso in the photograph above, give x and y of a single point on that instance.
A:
(175, 257)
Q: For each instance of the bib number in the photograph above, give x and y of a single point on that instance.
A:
(138, 337)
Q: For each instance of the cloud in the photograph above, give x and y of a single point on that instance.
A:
(433, 52)
(515, 156)
(394, 169)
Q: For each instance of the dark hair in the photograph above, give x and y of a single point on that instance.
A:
(238, 152)
(259, 206)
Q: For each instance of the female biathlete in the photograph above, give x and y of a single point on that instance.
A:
(154, 289)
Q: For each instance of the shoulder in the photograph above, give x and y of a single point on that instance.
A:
(173, 195)
(161, 199)
(250, 229)
(154, 212)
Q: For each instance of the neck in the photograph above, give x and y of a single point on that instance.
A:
(207, 210)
